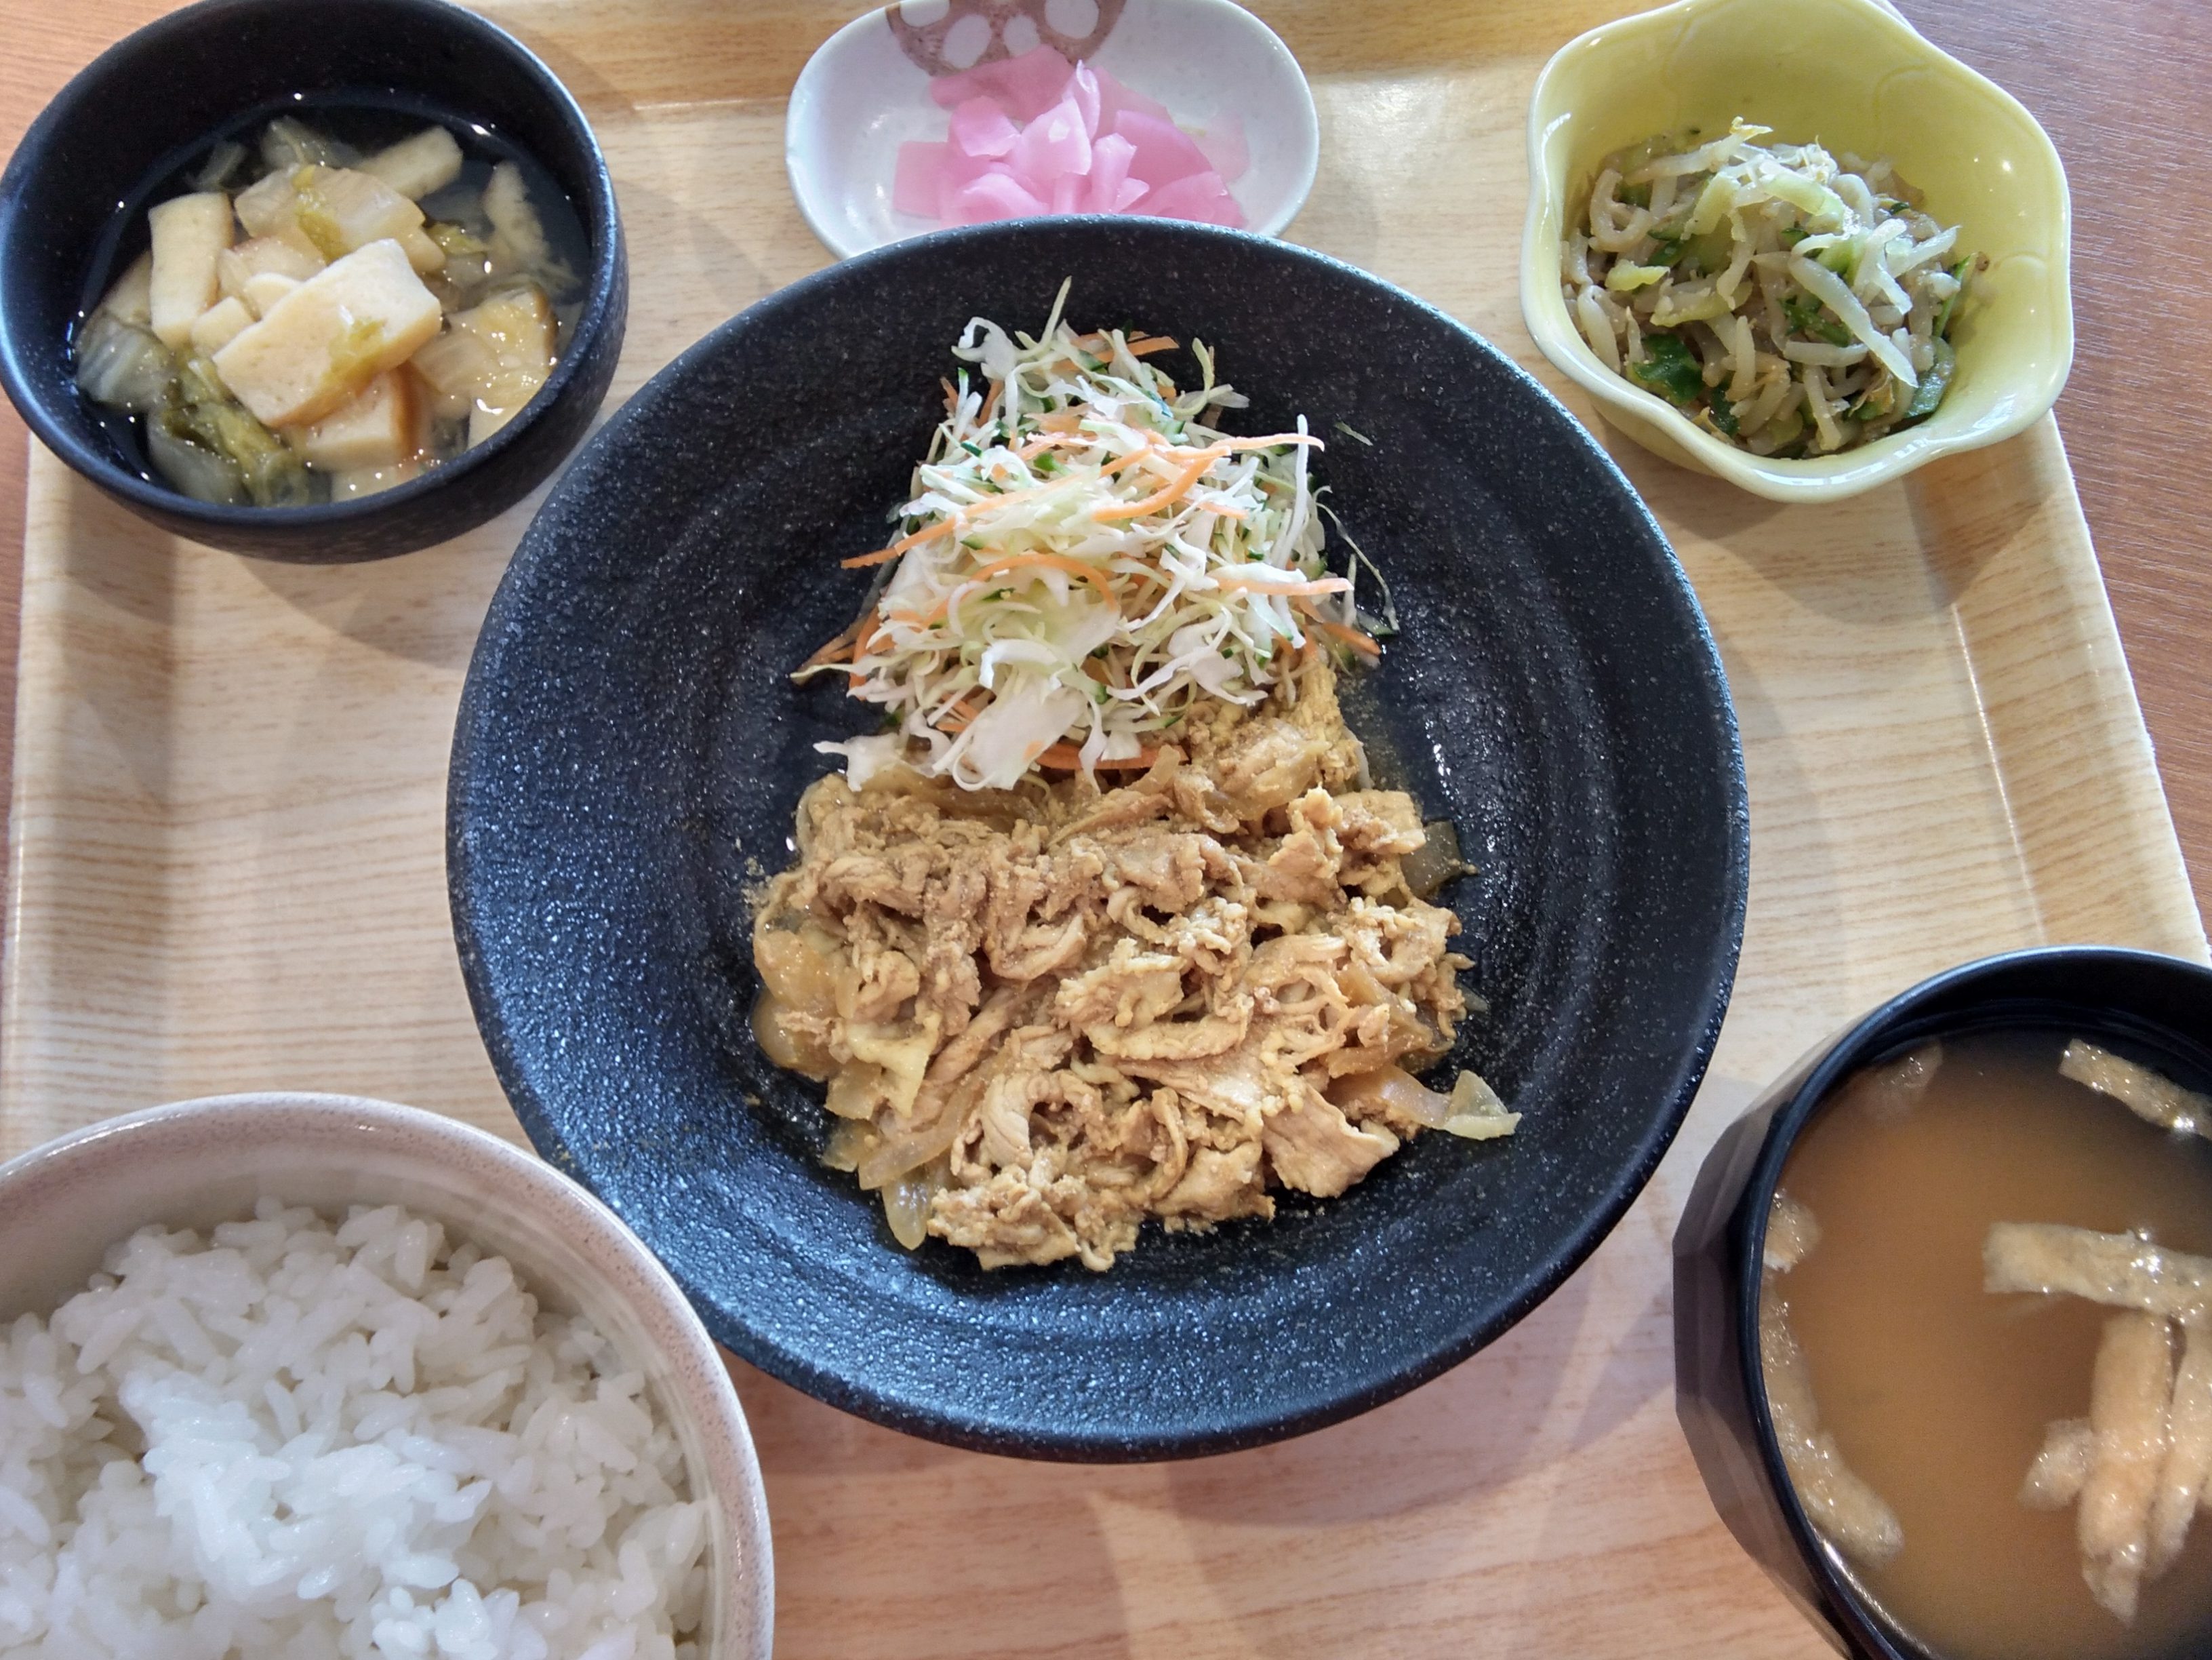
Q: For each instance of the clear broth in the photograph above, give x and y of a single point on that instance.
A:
(1938, 1393)
(366, 122)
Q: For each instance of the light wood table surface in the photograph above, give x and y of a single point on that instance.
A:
(2118, 83)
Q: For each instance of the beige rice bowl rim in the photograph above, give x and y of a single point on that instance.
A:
(191, 1164)
(1854, 75)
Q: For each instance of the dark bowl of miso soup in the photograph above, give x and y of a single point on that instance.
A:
(316, 282)
(1943, 1317)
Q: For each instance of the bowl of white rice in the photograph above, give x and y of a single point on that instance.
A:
(308, 1374)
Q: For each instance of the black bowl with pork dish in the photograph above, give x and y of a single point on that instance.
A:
(632, 749)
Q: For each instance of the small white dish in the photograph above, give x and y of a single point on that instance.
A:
(861, 96)
(195, 1163)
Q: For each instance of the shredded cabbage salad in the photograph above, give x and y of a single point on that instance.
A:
(1791, 300)
(1082, 558)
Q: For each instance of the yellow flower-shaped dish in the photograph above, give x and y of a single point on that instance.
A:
(1854, 75)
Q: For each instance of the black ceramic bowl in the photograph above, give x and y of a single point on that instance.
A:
(631, 748)
(2161, 1003)
(145, 106)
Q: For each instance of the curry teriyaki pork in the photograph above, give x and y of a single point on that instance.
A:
(1049, 1013)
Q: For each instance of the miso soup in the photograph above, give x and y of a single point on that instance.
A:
(1950, 1450)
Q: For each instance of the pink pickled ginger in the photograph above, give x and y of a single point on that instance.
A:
(1033, 135)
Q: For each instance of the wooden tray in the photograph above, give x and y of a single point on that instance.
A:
(228, 874)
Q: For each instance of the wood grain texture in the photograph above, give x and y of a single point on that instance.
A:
(2120, 86)
(228, 867)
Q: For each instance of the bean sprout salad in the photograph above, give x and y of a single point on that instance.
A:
(1789, 301)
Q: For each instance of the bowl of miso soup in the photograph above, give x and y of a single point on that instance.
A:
(315, 282)
(1943, 1305)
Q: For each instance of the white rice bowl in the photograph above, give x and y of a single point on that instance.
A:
(292, 1438)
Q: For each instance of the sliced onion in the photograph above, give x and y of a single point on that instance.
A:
(1435, 861)
(793, 1050)
(855, 1091)
(908, 1150)
(850, 1141)
(1477, 1114)
(795, 971)
(906, 1206)
(1396, 1091)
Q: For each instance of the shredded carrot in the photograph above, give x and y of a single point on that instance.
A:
(959, 716)
(1145, 347)
(991, 404)
(921, 619)
(1166, 495)
(1067, 758)
(1059, 420)
(1351, 637)
(1124, 463)
(929, 534)
(834, 647)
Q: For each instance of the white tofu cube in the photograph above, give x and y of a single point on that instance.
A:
(342, 208)
(518, 234)
(260, 255)
(129, 299)
(337, 211)
(381, 428)
(219, 325)
(415, 166)
(263, 291)
(190, 233)
(326, 339)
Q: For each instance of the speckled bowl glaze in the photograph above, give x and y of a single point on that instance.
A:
(2144, 1000)
(147, 105)
(195, 1163)
(631, 748)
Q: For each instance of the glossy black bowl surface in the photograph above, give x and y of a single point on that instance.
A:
(2145, 1001)
(631, 748)
(147, 105)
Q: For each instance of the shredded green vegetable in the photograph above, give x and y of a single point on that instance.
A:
(1792, 301)
(1934, 383)
(1670, 369)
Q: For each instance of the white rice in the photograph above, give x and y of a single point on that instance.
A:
(291, 1439)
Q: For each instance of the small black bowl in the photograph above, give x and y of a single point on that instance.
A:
(631, 747)
(145, 106)
(2138, 997)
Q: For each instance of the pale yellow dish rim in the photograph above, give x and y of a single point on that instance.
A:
(1824, 478)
